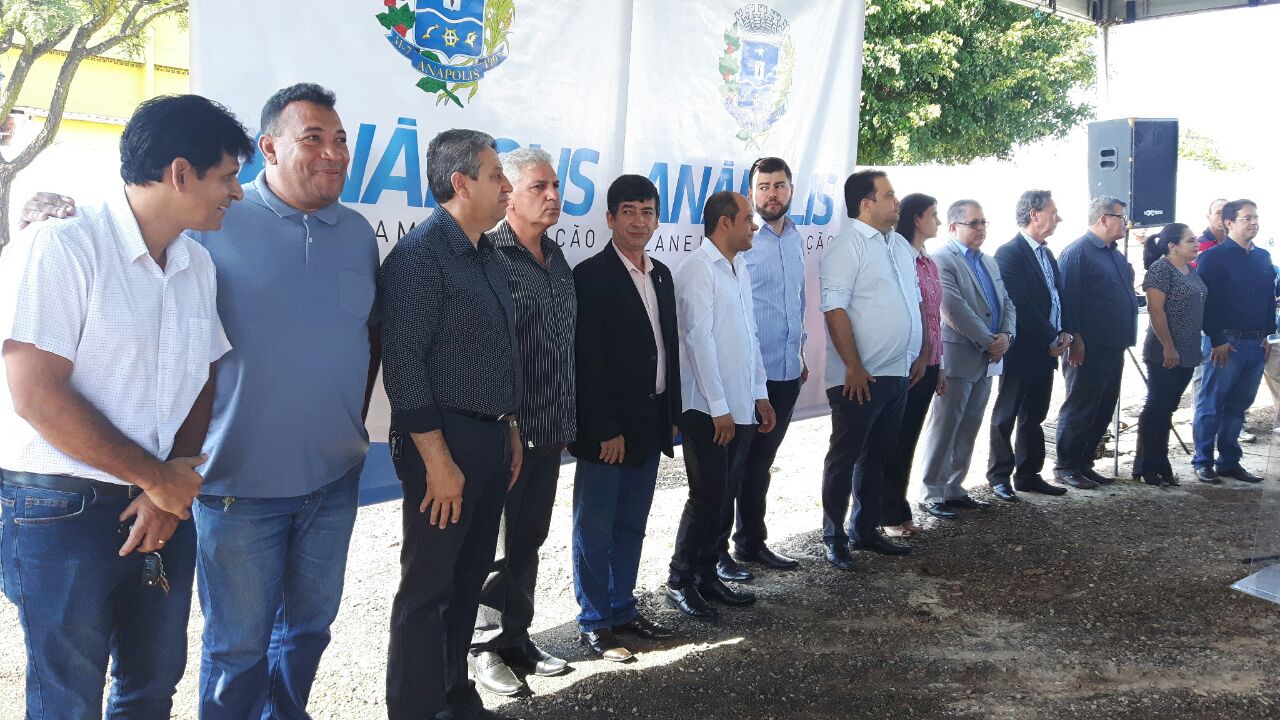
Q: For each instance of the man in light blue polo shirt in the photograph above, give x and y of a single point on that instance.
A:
(296, 280)
(296, 275)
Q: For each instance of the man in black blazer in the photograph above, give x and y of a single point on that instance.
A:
(1026, 265)
(628, 373)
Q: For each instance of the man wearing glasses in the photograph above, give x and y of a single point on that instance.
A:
(1239, 313)
(1100, 310)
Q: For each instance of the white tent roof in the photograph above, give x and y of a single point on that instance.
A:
(1111, 12)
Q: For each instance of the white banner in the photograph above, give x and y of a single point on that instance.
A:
(685, 93)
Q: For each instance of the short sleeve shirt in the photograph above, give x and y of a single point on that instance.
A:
(140, 337)
(1184, 309)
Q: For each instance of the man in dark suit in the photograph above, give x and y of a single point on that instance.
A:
(1033, 282)
(1100, 311)
(628, 372)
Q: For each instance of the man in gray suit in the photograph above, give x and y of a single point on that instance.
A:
(977, 330)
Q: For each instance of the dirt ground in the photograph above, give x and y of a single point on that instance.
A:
(1113, 603)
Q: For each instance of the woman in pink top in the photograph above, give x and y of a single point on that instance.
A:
(917, 222)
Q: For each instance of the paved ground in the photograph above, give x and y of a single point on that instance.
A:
(1102, 604)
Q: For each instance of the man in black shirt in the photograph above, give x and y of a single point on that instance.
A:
(1100, 311)
(451, 368)
(542, 288)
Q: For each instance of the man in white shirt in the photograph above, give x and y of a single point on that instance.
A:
(109, 326)
(876, 347)
(722, 381)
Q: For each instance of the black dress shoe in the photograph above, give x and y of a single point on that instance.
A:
(938, 510)
(729, 570)
(714, 589)
(1150, 478)
(689, 601)
(1037, 484)
(1169, 479)
(530, 656)
(1004, 491)
(492, 674)
(603, 643)
(768, 558)
(1208, 475)
(964, 502)
(881, 545)
(1239, 473)
(839, 555)
(643, 627)
(1075, 479)
(1096, 478)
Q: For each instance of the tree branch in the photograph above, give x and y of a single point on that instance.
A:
(132, 26)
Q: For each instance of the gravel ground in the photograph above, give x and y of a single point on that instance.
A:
(1112, 603)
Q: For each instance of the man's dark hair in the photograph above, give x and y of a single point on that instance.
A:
(769, 165)
(913, 206)
(169, 127)
(859, 187)
(452, 151)
(723, 204)
(1030, 200)
(1232, 209)
(631, 188)
(302, 92)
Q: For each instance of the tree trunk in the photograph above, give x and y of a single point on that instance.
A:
(6, 188)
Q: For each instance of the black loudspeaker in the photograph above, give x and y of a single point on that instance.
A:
(1136, 160)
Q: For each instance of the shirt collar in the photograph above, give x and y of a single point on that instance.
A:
(788, 226)
(454, 237)
(259, 194)
(713, 253)
(1094, 240)
(963, 250)
(503, 236)
(1035, 245)
(630, 266)
(129, 233)
(867, 231)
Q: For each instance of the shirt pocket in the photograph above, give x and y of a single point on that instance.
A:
(355, 294)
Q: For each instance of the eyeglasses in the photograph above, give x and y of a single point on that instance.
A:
(975, 224)
(1121, 218)
(1246, 218)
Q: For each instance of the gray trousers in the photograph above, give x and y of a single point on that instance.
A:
(951, 431)
(506, 599)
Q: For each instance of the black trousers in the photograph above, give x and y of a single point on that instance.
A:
(862, 436)
(506, 599)
(1023, 399)
(1165, 387)
(442, 571)
(1092, 391)
(895, 509)
(715, 472)
(751, 497)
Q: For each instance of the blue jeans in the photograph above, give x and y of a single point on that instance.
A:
(1225, 395)
(81, 604)
(271, 574)
(610, 512)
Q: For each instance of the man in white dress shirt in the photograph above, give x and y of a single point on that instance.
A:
(109, 326)
(722, 382)
(876, 348)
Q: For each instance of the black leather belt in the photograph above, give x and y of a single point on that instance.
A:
(1246, 334)
(481, 416)
(68, 483)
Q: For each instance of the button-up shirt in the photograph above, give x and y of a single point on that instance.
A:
(776, 263)
(642, 278)
(448, 328)
(872, 277)
(1242, 290)
(721, 370)
(931, 296)
(1041, 252)
(1098, 298)
(140, 338)
(974, 260)
(546, 312)
(296, 294)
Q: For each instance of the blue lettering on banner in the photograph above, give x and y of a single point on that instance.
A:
(686, 203)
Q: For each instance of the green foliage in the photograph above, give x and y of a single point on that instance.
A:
(1203, 149)
(402, 15)
(949, 81)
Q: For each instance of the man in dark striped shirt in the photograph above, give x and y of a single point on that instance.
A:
(451, 368)
(546, 307)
